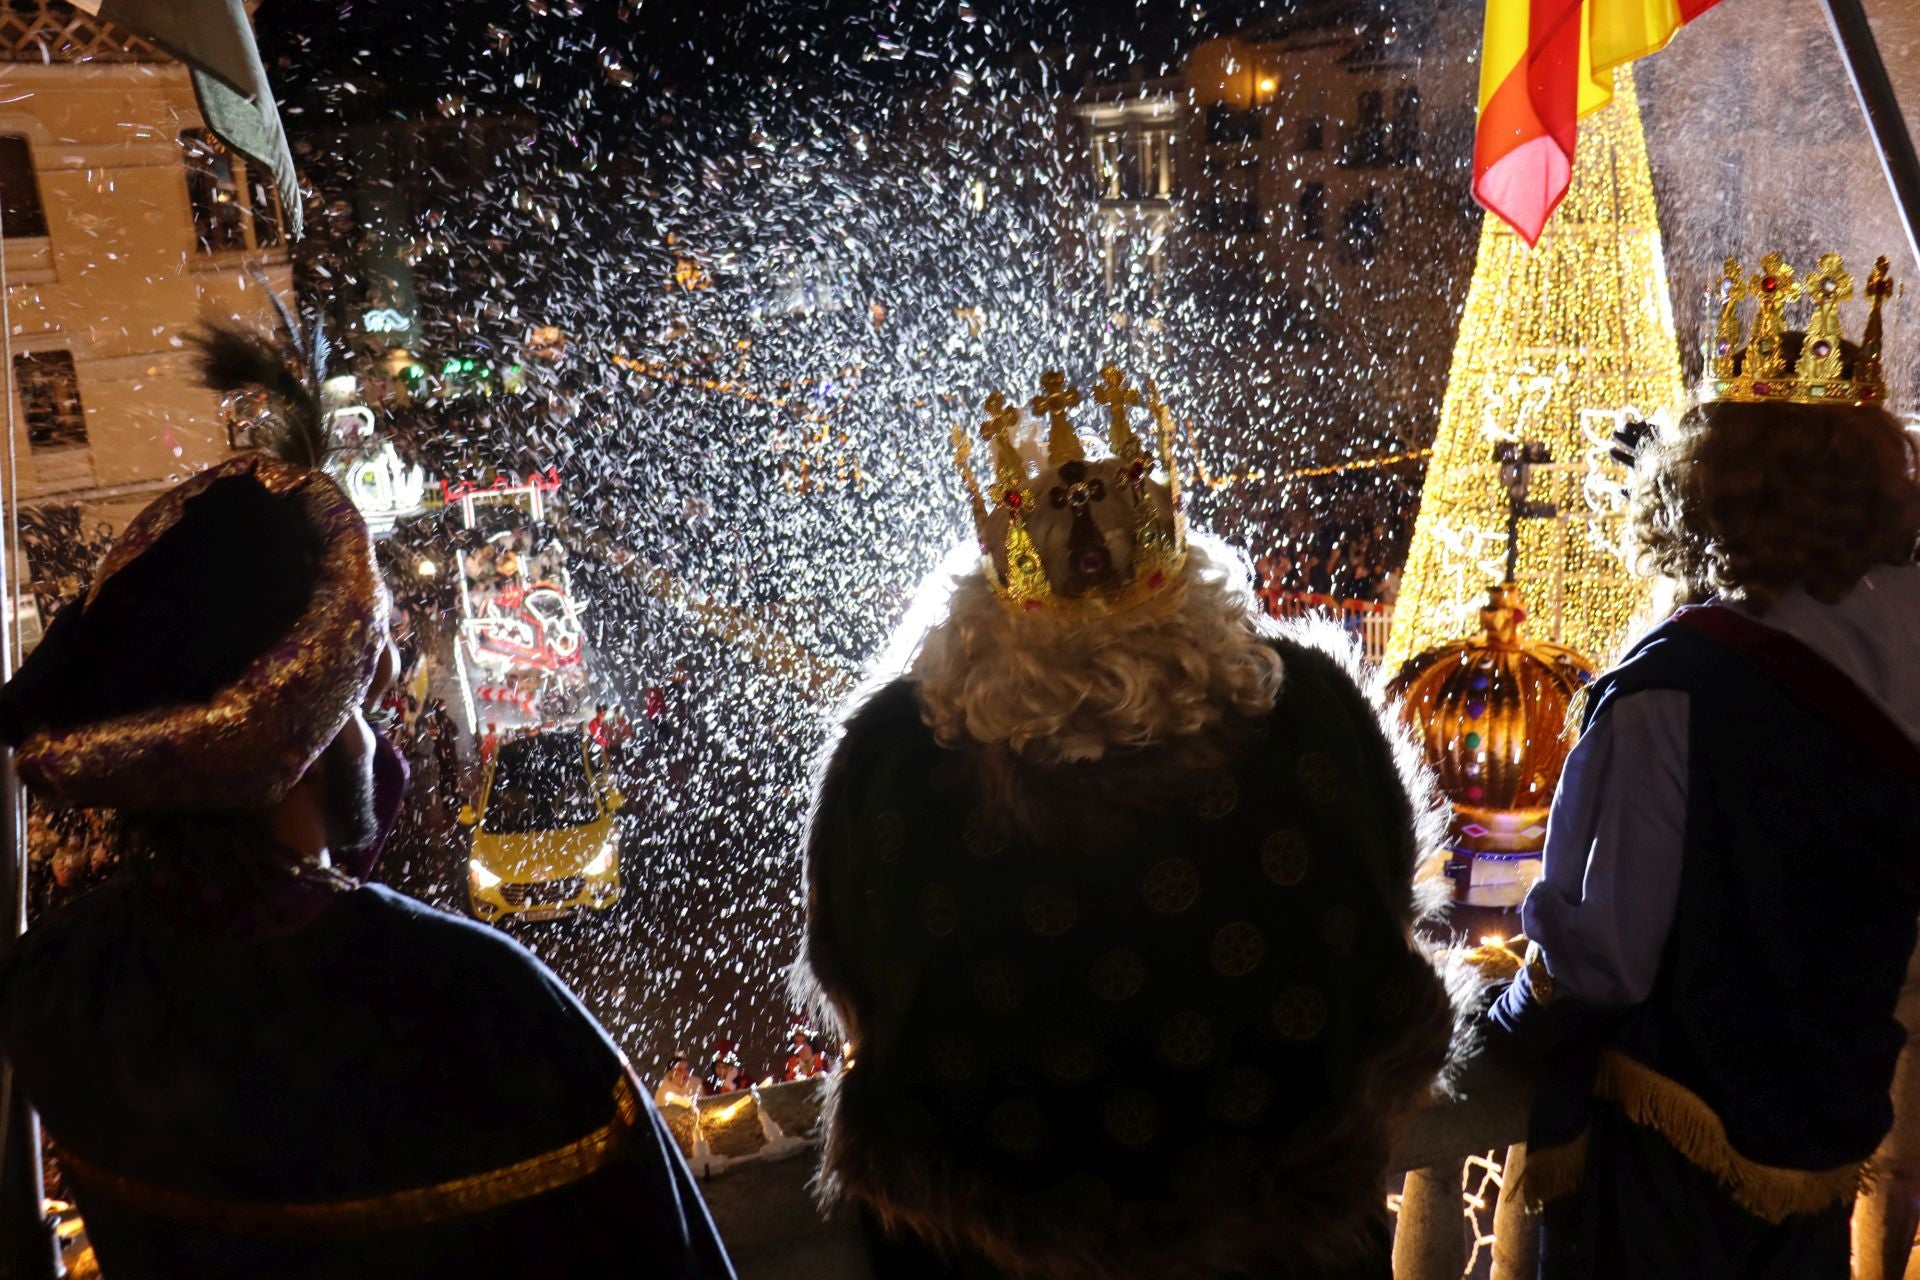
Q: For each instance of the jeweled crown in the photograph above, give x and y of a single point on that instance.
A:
(1075, 532)
(1806, 366)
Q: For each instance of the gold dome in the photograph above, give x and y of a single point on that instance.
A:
(1490, 715)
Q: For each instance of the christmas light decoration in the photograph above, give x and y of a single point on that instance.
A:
(1579, 326)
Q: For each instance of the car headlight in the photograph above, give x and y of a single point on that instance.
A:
(480, 876)
(603, 860)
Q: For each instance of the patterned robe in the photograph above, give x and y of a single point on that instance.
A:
(1169, 1035)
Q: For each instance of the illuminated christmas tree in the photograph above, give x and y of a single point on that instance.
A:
(1556, 344)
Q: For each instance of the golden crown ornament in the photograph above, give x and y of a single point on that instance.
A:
(1775, 364)
(1076, 533)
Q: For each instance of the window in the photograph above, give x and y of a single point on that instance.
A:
(249, 418)
(50, 398)
(1233, 197)
(21, 213)
(266, 209)
(1116, 166)
(1133, 164)
(232, 208)
(1367, 144)
(1313, 211)
(1362, 226)
(1225, 124)
(1406, 127)
(1313, 133)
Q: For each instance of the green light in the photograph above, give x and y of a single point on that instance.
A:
(452, 367)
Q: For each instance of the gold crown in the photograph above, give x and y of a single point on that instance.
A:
(1110, 535)
(1806, 367)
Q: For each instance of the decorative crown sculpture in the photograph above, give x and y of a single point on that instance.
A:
(1488, 714)
(1776, 364)
(1100, 534)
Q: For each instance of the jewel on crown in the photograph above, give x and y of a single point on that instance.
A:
(1109, 534)
(1763, 369)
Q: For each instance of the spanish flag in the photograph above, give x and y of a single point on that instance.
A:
(1546, 63)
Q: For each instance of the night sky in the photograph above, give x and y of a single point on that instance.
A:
(604, 66)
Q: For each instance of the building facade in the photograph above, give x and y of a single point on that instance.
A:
(125, 225)
(1287, 210)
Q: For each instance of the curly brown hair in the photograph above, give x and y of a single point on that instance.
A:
(1747, 501)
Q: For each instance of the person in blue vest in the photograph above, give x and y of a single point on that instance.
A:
(1732, 871)
(250, 1061)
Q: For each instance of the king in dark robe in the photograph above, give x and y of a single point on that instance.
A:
(250, 1062)
(1111, 894)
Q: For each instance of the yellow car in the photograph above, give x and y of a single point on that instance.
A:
(545, 843)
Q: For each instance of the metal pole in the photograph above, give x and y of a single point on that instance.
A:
(29, 1250)
(1891, 137)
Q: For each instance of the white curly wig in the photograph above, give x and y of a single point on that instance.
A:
(1070, 688)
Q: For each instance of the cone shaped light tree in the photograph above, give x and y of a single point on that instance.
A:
(1555, 343)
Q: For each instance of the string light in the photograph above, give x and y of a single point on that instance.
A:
(1203, 478)
(1581, 322)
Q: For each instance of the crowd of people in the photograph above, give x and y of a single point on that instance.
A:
(1349, 551)
(726, 1072)
(1339, 538)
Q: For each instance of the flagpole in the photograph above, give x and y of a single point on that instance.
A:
(31, 1251)
(1891, 138)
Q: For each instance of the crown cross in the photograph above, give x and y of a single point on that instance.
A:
(1828, 286)
(1878, 289)
(963, 461)
(1726, 338)
(1775, 287)
(1879, 283)
(1063, 446)
(1009, 473)
(1001, 417)
(1118, 397)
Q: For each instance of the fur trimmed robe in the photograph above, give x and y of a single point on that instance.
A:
(1139, 1017)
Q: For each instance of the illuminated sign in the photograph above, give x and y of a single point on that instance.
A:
(384, 487)
(386, 320)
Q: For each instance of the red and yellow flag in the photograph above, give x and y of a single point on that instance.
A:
(1545, 64)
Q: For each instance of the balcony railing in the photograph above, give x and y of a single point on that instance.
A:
(1366, 620)
(48, 31)
(755, 1153)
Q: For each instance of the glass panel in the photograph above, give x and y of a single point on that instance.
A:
(541, 784)
(219, 220)
(50, 399)
(265, 197)
(20, 209)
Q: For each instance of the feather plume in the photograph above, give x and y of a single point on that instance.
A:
(234, 358)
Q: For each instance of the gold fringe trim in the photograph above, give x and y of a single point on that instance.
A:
(412, 1207)
(1552, 1172)
(1684, 1119)
(1689, 1125)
